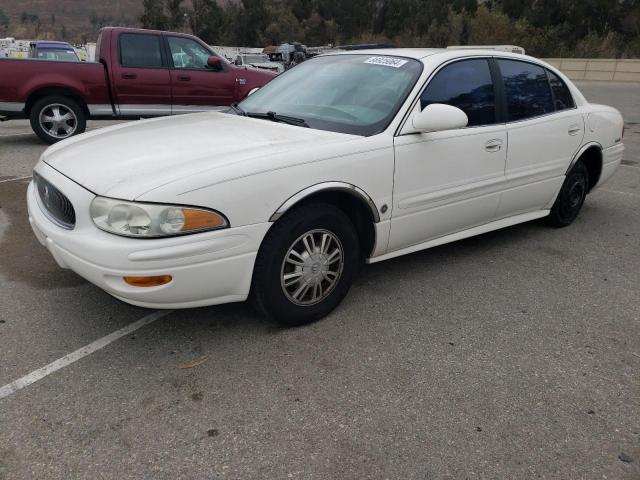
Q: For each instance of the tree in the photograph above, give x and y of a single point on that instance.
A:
(206, 20)
(175, 14)
(99, 21)
(29, 18)
(542, 27)
(4, 20)
(153, 15)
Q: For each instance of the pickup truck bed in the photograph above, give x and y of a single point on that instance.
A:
(139, 73)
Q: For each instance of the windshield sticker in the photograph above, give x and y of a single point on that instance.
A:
(386, 61)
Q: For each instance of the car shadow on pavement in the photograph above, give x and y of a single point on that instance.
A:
(24, 259)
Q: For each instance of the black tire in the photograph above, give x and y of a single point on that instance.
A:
(268, 293)
(571, 197)
(77, 122)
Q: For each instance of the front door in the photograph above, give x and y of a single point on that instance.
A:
(196, 86)
(449, 181)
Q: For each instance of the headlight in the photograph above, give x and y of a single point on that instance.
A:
(150, 220)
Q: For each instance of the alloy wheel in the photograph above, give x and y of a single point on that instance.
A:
(58, 120)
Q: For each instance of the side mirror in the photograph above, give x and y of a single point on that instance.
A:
(214, 62)
(438, 117)
(253, 90)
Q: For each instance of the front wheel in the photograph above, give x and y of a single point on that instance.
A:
(571, 197)
(305, 265)
(56, 118)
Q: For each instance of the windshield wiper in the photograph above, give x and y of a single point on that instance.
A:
(275, 117)
(238, 110)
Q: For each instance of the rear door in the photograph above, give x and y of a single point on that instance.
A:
(195, 85)
(140, 75)
(545, 131)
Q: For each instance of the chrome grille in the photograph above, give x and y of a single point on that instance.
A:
(54, 203)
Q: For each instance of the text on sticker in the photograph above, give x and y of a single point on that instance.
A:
(386, 61)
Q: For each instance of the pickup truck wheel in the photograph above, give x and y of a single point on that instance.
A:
(56, 118)
(305, 265)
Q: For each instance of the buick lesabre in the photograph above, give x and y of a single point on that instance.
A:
(347, 158)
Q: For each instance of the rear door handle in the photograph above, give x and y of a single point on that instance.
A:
(184, 78)
(129, 76)
(494, 145)
(574, 130)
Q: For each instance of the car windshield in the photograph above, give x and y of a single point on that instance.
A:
(355, 94)
(60, 55)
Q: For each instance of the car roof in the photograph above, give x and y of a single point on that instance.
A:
(439, 53)
(51, 43)
(416, 53)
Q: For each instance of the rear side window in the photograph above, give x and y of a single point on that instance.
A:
(526, 88)
(561, 94)
(467, 85)
(140, 50)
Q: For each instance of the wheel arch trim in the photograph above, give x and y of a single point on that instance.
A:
(328, 187)
(43, 91)
(581, 151)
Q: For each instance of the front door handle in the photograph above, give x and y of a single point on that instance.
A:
(574, 130)
(129, 76)
(184, 78)
(493, 146)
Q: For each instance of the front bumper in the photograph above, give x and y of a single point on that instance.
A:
(207, 268)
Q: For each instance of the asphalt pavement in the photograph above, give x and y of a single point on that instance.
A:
(511, 355)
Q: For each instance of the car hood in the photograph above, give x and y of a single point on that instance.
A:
(128, 160)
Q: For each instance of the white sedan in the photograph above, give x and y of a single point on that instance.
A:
(346, 158)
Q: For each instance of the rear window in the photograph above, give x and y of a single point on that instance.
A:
(561, 94)
(59, 55)
(138, 50)
(526, 88)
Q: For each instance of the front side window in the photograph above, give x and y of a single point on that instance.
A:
(187, 53)
(561, 93)
(526, 89)
(467, 85)
(356, 93)
(140, 50)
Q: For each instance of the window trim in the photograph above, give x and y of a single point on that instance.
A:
(502, 100)
(163, 59)
(546, 69)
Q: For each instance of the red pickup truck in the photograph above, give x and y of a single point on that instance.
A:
(138, 73)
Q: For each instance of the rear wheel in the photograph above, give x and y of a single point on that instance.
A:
(56, 118)
(571, 197)
(305, 265)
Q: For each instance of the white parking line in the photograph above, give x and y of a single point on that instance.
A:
(80, 353)
(15, 179)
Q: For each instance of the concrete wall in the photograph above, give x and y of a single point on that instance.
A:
(598, 69)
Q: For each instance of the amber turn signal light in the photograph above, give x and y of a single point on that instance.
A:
(148, 281)
(201, 220)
